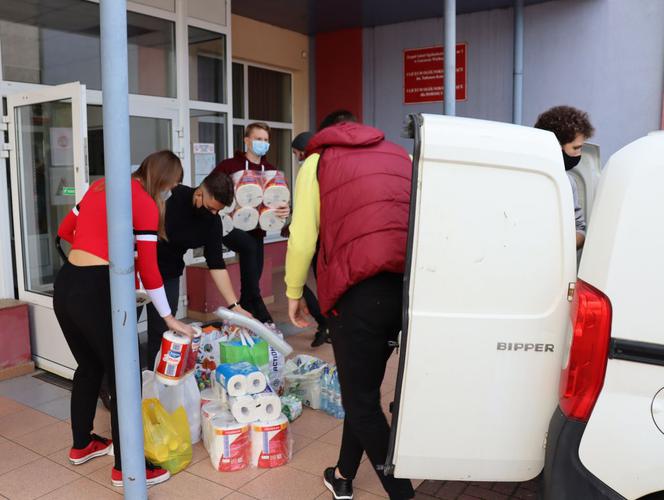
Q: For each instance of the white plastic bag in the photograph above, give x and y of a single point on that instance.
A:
(208, 357)
(185, 394)
(274, 371)
(302, 376)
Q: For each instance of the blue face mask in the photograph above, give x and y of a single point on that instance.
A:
(260, 148)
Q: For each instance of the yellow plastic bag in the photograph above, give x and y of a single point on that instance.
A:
(166, 436)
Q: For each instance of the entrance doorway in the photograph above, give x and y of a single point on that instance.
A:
(56, 151)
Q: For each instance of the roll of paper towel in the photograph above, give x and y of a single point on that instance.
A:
(270, 443)
(268, 405)
(256, 381)
(243, 408)
(208, 412)
(230, 444)
(209, 396)
(240, 378)
(232, 377)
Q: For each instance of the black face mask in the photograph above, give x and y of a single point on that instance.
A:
(202, 212)
(571, 161)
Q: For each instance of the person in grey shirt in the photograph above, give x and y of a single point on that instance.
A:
(579, 216)
(572, 128)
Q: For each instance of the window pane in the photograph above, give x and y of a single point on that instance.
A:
(151, 52)
(238, 90)
(238, 138)
(208, 142)
(280, 154)
(207, 66)
(147, 136)
(269, 95)
(59, 43)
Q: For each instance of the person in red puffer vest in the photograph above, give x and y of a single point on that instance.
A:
(352, 196)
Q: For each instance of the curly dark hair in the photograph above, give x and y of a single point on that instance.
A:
(565, 122)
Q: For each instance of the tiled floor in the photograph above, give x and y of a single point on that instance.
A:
(35, 439)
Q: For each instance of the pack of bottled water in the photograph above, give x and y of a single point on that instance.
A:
(331, 393)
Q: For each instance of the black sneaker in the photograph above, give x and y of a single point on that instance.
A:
(321, 337)
(342, 489)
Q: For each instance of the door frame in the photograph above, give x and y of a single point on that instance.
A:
(75, 92)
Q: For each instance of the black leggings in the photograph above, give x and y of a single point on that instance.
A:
(368, 317)
(82, 304)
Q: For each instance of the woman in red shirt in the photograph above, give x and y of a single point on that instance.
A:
(82, 298)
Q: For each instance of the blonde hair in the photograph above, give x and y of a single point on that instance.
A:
(158, 172)
(255, 125)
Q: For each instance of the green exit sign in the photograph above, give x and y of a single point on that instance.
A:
(69, 191)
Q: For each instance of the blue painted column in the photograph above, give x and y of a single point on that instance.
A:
(517, 94)
(450, 58)
(115, 91)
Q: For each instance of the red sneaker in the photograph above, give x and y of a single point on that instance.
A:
(98, 447)
(153, 474)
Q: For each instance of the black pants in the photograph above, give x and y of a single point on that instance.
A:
(314, 307)
(364, 320)
(156, 324)
(82, 304)
(250, 248)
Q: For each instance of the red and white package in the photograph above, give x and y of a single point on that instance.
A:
(269, 221)
(275, 189)
(270, 443)
(245, 218)
(248, 188)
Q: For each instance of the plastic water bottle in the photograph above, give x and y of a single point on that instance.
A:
(341, 412)
(338, 410)
(325, 390)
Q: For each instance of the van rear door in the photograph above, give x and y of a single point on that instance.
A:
(490, 267)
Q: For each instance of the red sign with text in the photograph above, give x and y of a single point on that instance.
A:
(423, 74)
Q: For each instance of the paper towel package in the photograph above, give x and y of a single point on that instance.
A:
(229, 445)
(209, 396)
(232, 377)
(240, 378)
(270, 443)
(256, 381)
(268, 405)
(208, 412)
(243, 408)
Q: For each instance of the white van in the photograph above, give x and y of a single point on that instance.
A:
(505, 357)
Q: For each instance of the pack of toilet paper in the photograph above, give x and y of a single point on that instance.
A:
(270, 443)
(238, 379)
(242, 423)
(227, 441)
(264, 406)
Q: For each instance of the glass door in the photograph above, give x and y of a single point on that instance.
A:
(48, 159)
(150, 131)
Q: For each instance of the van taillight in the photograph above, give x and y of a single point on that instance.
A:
(582, 379)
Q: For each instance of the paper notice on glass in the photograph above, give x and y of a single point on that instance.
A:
(204, 158)
(62, 151)
(202, 148)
